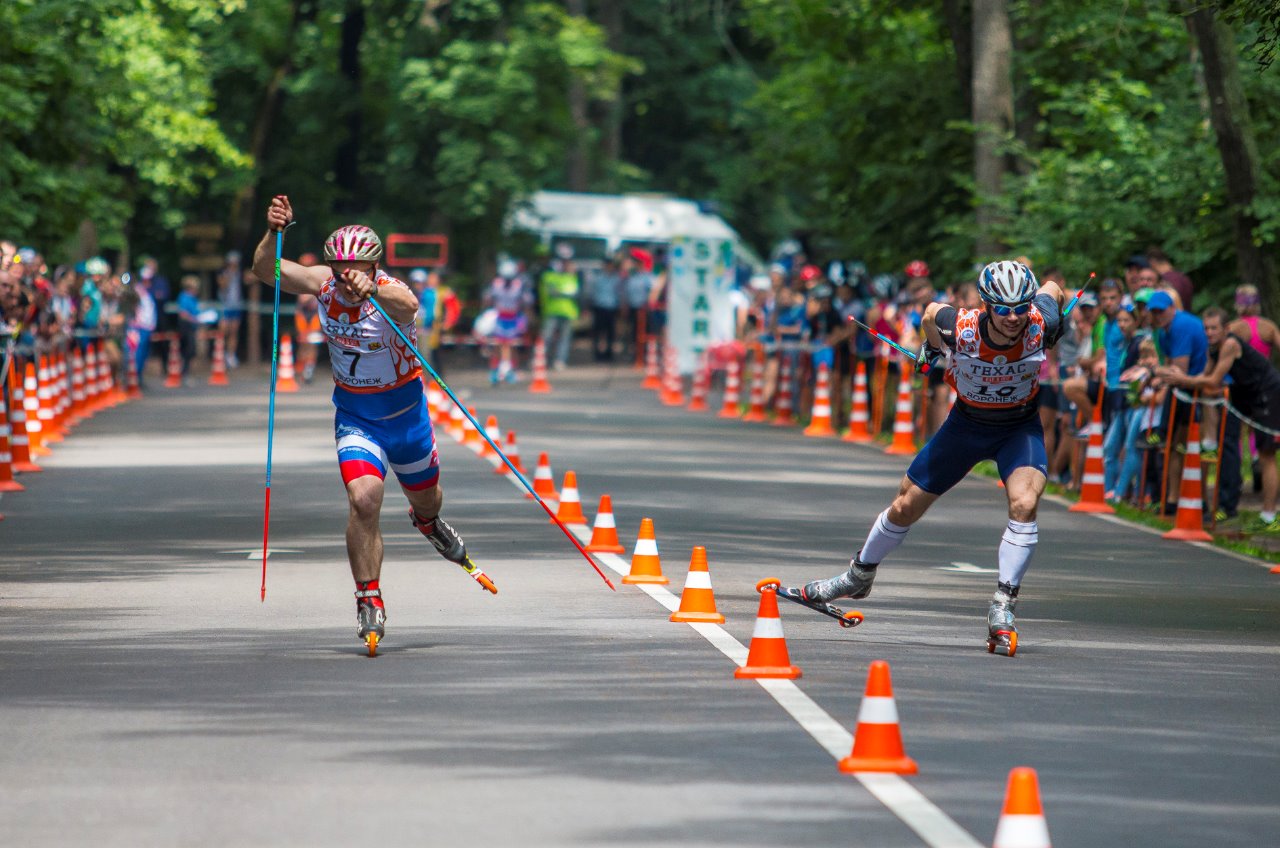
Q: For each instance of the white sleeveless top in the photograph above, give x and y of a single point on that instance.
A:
(365, 352)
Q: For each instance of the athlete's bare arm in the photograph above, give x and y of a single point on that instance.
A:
(399, 301)
(930, 324)
(294, 278)
(1053, 290)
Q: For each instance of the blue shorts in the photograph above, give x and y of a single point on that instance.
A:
(509, 328)
(406, 443)
(962, 443)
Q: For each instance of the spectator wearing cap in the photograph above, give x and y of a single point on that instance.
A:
(605, 296)
(1185, 347)
(1133, 268)
(1171, 276)
(1254, 391)
(188, 320)
(160, 289)
(231, 300)
(140, 325)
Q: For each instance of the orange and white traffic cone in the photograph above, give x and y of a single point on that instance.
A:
(77, 386)
(697, 601)
(31, 407)
(646, 565)
(1188, 524)
(783, 404)
(570, 509)
(19, 441)
(1092, 487)
(7, 483)
(50, 434)
(767, 655)
(61, 392)
(652, 376)
(1022, 823)
(732, 388)
(701, 387)
(820, 421)
(877, 743)
(539, 384)
(904, 440)
(470, 435)
(513, 454)
(218, 367)
(543, 483)
(491, 430)
(457, 423)
(173, 370)
(286, 380)
(858, 416)
(436, 401)
(756, 411)
(673, 381)
(133, 387)
(91, 392)
(604, 532)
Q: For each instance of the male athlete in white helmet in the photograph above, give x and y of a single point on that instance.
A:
(382, 418)
(992, 360)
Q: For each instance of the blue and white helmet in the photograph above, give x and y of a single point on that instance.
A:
(1007, 283)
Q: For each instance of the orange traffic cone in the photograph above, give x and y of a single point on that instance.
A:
(436, 401)
(470, 435)
(218, 367)
(543, 483)
(570, 509)
(50, 434)
(1188, 524)
(173, 372)
(513, 454)
(20, 441)
(77, 386)
(457, 423)
(783, 408)
(698, 602)
(877, 743)
(858, 417)
(756, 411)
(491, 430)
(646, 566)
(540, 384)
(904, 440)
(701, 386)
(7, 483)
(731, 390)
(1092, 494)
(91, 400)
(767, 656)
(820, 421)
(31, 408)
(652, 377)
(1022, 823)
(604, 532)
(673, 381)
(286, 380)
(132, 389)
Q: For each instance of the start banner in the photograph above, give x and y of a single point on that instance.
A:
(699, 309)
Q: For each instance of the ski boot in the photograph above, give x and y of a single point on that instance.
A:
(854, 583)
(1001, 632)
(371, 615)
(450, 546)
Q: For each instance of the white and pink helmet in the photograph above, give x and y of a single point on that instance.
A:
(353, 243)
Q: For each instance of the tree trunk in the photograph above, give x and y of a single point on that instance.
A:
(347, 166)
(1026, 106)
(992, 116)
(613, 21)
(578, 167)
(959, 17)
(1229, 116)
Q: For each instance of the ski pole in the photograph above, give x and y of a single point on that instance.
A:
(448, 391)
(1076, 299)
(271, 408)
(915, 357)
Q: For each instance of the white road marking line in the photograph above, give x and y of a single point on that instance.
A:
(256, 553)
(901, 798)
(967, 568)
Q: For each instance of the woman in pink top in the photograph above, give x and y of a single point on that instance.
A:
(1262, 333)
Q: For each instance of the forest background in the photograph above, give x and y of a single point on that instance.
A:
(1076, 132)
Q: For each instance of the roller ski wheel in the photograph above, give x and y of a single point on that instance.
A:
(371, 643)
(479, 576)
(1004, 640)
(850, 618)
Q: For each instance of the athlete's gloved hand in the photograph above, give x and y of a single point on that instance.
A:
(930, 357)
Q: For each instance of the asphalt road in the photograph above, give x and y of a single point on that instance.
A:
(147, 697)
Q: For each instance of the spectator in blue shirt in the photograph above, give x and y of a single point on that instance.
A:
(1184, 345)
(606, 296)
(188, 320)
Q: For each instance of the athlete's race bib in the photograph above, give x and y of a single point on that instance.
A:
(365, 352)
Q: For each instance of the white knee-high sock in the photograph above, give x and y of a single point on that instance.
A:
(1016, 547)
(883, 538)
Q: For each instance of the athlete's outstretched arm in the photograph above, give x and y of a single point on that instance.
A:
(1053, 290)
(294, 278)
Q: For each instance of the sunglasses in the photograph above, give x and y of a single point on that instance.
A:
(1004, 311)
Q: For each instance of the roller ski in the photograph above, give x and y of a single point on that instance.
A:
(852, 618)
(1001, 633)
(371, 617)
(450, 546)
